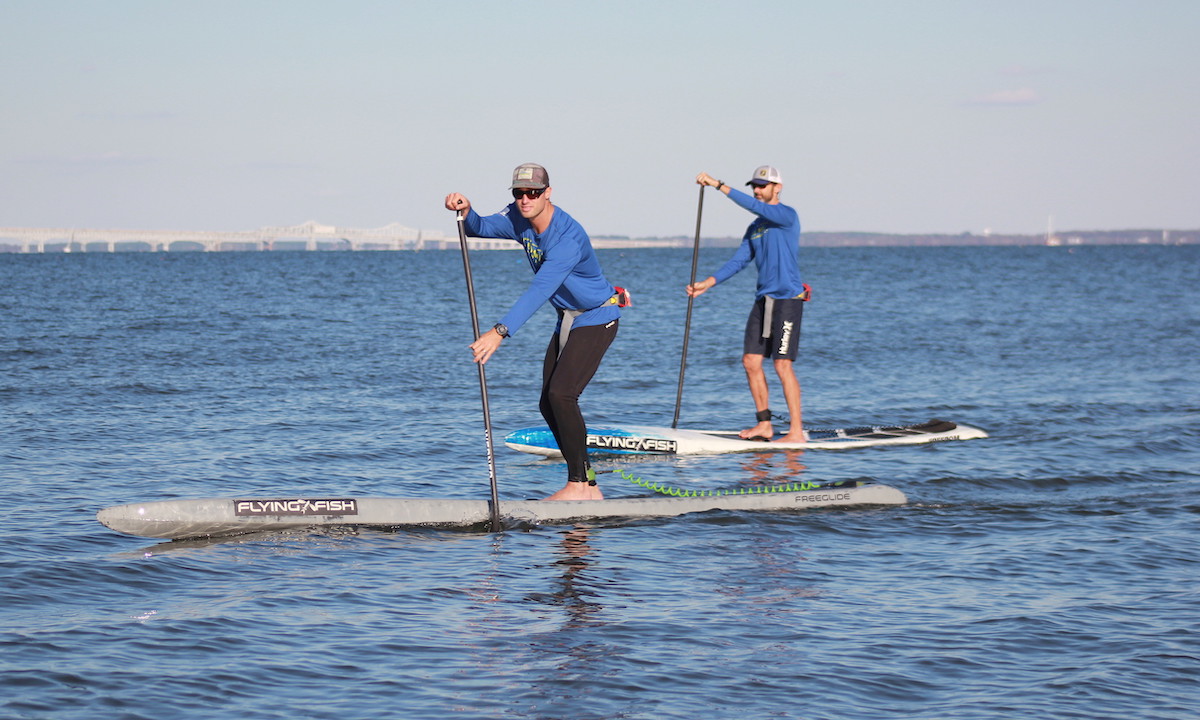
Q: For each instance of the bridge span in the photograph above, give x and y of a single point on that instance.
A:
(308, 236)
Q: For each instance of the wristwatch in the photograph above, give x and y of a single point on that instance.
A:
(501, 328)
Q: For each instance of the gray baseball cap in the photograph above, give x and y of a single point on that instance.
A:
(531, 175)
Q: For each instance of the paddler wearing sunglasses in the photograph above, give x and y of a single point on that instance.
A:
(772, 330)
(567, 274)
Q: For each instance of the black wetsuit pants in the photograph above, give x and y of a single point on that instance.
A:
(563, 379)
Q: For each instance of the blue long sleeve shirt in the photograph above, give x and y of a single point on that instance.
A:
(566, 270)
(773, 242)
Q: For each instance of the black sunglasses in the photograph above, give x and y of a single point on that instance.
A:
(533, 193)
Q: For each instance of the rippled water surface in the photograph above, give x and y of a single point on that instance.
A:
(1049, 571)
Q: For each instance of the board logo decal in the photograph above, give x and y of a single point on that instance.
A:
(296, 506)
(822, 498)
(636, 444)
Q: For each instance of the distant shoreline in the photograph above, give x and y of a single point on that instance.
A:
(864, 239)
(315, 237)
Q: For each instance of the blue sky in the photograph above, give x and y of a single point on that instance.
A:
(925, 116)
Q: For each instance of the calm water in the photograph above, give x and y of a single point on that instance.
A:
(1049, 571)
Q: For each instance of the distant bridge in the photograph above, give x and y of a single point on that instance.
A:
(308, 236)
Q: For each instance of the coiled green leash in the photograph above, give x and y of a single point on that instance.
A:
(680, 492)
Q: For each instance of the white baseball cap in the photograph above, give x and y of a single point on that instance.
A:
(765, 174)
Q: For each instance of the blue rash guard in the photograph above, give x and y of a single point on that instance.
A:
(566, 270)
(773, 242)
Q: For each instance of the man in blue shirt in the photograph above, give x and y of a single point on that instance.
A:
(568, 276)
(773, 328)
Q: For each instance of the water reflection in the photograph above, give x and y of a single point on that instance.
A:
(574, 591)
(774, 468)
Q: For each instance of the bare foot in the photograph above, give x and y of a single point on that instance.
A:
(763, 429)
(796, 436)
(578, 491)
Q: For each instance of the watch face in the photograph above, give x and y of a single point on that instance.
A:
(502, 329)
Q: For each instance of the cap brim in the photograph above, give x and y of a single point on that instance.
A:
(528, 186)
(759, 183)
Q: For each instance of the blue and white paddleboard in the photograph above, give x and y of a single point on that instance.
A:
(646, 440)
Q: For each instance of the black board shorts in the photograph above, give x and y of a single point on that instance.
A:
(784, 338)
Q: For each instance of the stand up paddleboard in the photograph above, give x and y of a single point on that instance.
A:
(218, 517)
(646, 440)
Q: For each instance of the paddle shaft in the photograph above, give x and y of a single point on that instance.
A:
(487, 414)
(687, 323)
